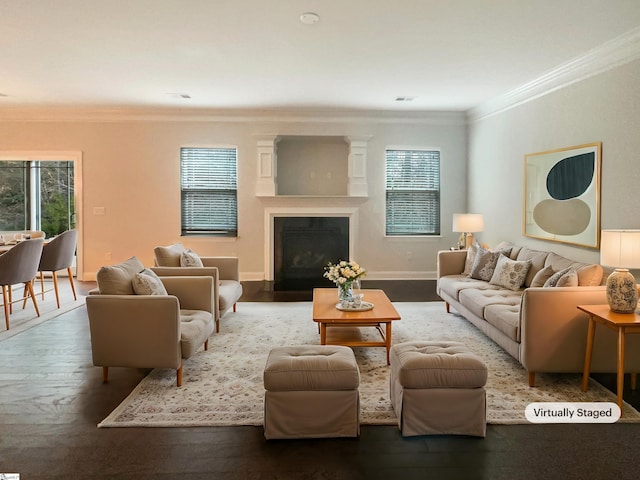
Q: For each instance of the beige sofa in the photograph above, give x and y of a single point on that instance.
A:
(539, 326)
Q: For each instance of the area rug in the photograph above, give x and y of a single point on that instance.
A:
(25, 318)
(223, 386)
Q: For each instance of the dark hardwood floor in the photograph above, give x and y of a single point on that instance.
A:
(52, 397)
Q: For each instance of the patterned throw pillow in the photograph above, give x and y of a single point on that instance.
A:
(569, 279)
(148, 283)
(484, 264)
(510, 273)
(553, 279)
(189, 258)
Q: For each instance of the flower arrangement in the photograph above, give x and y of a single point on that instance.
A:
(344, 273)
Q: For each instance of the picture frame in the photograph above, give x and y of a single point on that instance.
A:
(562, 195)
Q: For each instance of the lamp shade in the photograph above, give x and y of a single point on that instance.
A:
(620, 248)
(468, 222)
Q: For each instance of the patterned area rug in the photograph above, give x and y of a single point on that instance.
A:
(223, 386)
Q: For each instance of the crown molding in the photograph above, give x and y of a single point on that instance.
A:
(136, 114)
(612, 54)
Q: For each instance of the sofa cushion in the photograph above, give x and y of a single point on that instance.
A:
(189, 258)
(537, 258)
(484, 264)
(505, 318)
(148, 283)
(476, 300)
(510, 273)
(168, 256)
(590, 275)
(472, 251)
(569, 279)
(453, 284)
(542, 276)
(553, 279)
(118, 279)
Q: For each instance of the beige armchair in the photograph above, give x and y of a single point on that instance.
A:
(225, 271)
(149, 331)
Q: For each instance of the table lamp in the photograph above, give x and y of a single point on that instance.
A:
(468, 223)
(621, 249)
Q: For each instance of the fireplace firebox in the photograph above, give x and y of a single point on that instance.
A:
(303, 246)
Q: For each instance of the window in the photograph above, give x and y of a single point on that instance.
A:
(209, 191)
(37, 195)
(413, 192)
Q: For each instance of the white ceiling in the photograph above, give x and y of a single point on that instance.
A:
(256, 54)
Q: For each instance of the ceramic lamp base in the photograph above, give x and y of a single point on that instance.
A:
(622, 292)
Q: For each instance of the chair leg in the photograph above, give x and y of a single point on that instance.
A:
(179, 376)
(42, 285)
(73, 287)
(5, 303)
(234, 307)
(33, 297)
(10, 298)
(55, 287)
(217, 325)
(206, 344)
(105, 374)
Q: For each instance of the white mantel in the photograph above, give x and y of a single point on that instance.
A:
(273, 212)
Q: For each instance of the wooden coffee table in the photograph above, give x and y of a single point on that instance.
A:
(329, 317)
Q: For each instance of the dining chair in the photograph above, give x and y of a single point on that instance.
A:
(57, 255)
(19, 265)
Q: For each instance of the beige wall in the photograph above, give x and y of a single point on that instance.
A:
(604, 108)
(131, 168)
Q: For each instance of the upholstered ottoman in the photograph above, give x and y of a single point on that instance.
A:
(438, 388)
(311, 392)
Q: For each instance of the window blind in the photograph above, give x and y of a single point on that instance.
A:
(209, 191)
(413, 192)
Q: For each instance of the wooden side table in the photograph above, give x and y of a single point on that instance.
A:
(623, 323)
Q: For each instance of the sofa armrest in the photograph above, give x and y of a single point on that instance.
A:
(553, 331)
(451, 262)
(228, 267)
(141, 331)
(193, 292)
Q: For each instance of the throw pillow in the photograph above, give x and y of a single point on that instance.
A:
(471, 256)
(542, 276)
(484, 264)
(569, 279)
(189, 258)
(510, 273)
(148, 283)
(168, 256)
(590, 275)
(117, 279)
(553, 279)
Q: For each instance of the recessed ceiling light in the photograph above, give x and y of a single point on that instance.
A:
(405, 99)
(3, 95)
(309, 18)
(185, 96)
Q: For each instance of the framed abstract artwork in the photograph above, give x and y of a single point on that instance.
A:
(562, 195)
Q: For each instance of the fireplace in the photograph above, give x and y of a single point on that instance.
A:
(302, 246)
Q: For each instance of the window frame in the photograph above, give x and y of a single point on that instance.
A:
(433, 192)
(189, 229)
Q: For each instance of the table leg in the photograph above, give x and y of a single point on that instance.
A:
(388, 340)
(587, 357)
(323, 333)
(620, 365)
